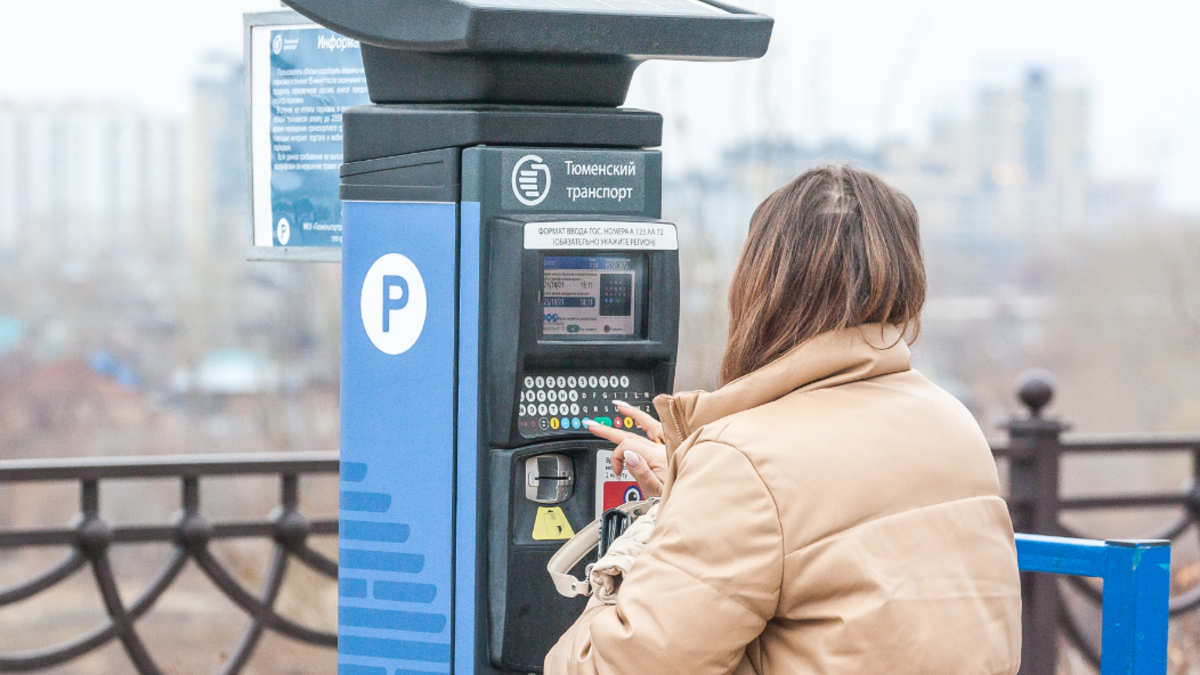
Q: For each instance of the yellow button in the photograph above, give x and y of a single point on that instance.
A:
(628, 422)
(553, 422)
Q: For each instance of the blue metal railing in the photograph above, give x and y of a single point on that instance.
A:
(1137, 587)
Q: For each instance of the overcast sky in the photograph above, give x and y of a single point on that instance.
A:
(857, 70)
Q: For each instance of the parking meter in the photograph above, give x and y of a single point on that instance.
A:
(506, 275)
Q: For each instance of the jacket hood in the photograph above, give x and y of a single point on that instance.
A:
(827, 360)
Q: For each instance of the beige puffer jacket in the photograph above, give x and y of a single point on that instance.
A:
(833, 513)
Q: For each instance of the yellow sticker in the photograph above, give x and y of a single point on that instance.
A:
(550, 524)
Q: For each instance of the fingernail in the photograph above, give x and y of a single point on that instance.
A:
(616, 402)
(588, 423)
(632, 459)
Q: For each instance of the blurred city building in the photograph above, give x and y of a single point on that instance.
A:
(1019, 240)
(1016, 169)
(122, 269)
(216, 158)
(81, 181)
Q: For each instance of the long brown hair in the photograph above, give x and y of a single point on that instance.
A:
(835, 248)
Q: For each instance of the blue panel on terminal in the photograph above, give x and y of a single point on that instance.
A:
(469, 440)
(397, 434)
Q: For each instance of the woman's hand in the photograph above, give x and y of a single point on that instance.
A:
(646, 459)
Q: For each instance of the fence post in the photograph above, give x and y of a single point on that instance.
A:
(1033, 499)
(1137, 598)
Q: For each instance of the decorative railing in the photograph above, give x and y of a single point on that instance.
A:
(1034, 452)
(91, 539)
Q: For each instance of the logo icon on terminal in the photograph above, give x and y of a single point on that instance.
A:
(531, 180)
(393, 304)
(277, 44)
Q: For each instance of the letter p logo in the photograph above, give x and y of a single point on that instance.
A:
(393, 304)
(395, 297)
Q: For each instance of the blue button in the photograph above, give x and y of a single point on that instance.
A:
(566, 423)
(575, 423)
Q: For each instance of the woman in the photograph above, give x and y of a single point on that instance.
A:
(828, 509)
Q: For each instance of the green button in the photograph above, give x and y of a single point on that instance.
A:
(606, 421)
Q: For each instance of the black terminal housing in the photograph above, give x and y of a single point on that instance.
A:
(646, 358)
(549, 52)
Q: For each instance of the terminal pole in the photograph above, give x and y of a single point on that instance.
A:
(1035, 449)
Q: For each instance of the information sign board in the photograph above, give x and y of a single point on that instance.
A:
(299, 79)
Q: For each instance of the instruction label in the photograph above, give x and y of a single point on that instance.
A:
(551, 524)
(613, 490)
(610, 236)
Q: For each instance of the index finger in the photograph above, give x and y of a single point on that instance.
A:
(652, 426)
(608, 433)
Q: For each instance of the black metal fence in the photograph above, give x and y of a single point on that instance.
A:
(1033, 453)
(91, 538)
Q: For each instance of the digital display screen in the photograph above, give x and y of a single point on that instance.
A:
(591, 296)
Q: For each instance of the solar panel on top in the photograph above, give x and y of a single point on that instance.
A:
(637, 7)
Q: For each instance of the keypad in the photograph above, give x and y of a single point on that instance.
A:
(553, 404)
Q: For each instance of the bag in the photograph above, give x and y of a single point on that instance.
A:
(603, 576)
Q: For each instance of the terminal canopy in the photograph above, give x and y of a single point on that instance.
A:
(558, 52)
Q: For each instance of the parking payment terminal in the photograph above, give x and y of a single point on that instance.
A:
(506, 275)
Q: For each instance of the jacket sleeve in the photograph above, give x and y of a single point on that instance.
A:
(704, 588)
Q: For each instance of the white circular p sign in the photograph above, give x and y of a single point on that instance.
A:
(393, 304)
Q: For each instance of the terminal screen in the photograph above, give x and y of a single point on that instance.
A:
(590, 297)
